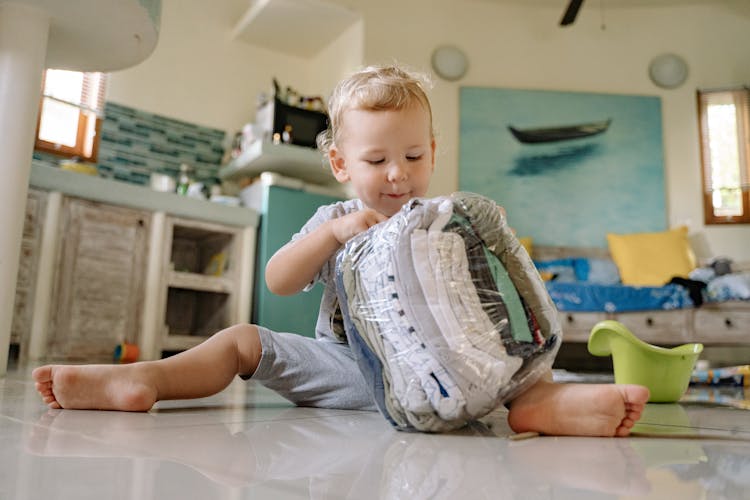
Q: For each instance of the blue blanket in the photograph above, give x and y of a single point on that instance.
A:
(593, 297)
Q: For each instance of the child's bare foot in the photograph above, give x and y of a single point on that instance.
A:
(96, 387)
(578, 409)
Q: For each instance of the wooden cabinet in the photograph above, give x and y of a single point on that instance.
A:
(712, 323)
(96, 269)
(660, 327)
(27, 267)
(205, 278)
(98, 286)
(576, 327)
(657, 327)
(726, 322)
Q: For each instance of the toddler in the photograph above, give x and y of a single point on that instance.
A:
(380, 139)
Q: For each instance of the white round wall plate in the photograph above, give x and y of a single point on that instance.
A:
(668, 71)
(449, 62)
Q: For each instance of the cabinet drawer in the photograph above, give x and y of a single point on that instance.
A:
(577, 326)
(722, 326)
(659, 327)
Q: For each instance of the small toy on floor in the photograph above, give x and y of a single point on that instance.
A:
(126, 353)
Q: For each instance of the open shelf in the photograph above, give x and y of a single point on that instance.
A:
(298, 162)
(196, 313)
(201, 282)
(200, 250)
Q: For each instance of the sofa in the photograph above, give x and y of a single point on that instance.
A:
(714, 322)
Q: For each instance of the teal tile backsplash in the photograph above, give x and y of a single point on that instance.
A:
(135, 143)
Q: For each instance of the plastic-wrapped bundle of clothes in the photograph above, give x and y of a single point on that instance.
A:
(445, 312)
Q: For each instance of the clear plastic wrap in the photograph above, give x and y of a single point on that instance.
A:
(445, 312)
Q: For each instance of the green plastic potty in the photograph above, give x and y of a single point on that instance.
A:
(666, 372)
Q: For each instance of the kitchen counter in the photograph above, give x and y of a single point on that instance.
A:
(131, 195)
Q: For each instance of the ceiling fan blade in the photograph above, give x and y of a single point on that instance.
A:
(571, 12)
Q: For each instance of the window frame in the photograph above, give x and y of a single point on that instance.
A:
(709, 217)
(67, 151)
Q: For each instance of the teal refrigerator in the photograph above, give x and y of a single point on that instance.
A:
(284, 205)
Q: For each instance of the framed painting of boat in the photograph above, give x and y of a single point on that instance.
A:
(568, 167)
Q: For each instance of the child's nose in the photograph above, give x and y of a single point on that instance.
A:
(396, 172)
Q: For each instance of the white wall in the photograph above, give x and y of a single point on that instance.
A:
(199, 74)
(343, 56)
(512, 45)
(196, 73)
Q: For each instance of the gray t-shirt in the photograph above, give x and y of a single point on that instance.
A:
(330, 325)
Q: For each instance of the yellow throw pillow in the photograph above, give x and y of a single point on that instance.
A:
(527, 243)
(546, 275)
(652, 259)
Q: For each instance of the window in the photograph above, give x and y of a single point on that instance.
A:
(725, 154)
(70, 113)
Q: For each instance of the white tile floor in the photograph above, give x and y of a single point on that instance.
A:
(248, 443)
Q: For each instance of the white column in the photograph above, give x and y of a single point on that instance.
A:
(23, 49)
(45, 276)
(246, 261)
(152, 321)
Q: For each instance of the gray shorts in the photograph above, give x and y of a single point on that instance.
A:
(311, 372)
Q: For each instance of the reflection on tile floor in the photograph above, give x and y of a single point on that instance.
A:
(248, 443)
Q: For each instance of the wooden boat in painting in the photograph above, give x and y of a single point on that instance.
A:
(563, 133)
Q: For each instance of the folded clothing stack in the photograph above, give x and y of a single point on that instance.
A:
(445, 312)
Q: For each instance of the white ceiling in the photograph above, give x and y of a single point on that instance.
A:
(563, 3)
(741, 7)
(613, 3)
(738, 6)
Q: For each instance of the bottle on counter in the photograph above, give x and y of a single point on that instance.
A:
(292, 97)
(286, 135)
(184, 181)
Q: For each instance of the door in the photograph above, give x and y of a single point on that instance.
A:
(97, 298)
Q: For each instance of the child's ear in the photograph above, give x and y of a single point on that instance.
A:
(433, 145)
(338, 165)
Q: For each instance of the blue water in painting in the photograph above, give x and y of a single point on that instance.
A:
(570, 192)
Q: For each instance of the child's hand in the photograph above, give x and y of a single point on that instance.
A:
(348, 226)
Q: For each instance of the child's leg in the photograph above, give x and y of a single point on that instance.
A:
(198, 372)
(578, 409)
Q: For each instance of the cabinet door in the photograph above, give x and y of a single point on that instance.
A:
(27, 265)
(285, 211)
(100, 275)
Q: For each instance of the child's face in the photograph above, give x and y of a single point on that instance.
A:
(388, 156)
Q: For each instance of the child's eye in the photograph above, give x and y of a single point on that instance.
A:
(413, 157)
(375, 162)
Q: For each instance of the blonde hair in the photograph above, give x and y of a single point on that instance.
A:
(375, 88)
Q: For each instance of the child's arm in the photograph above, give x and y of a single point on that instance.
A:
(295, 264)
